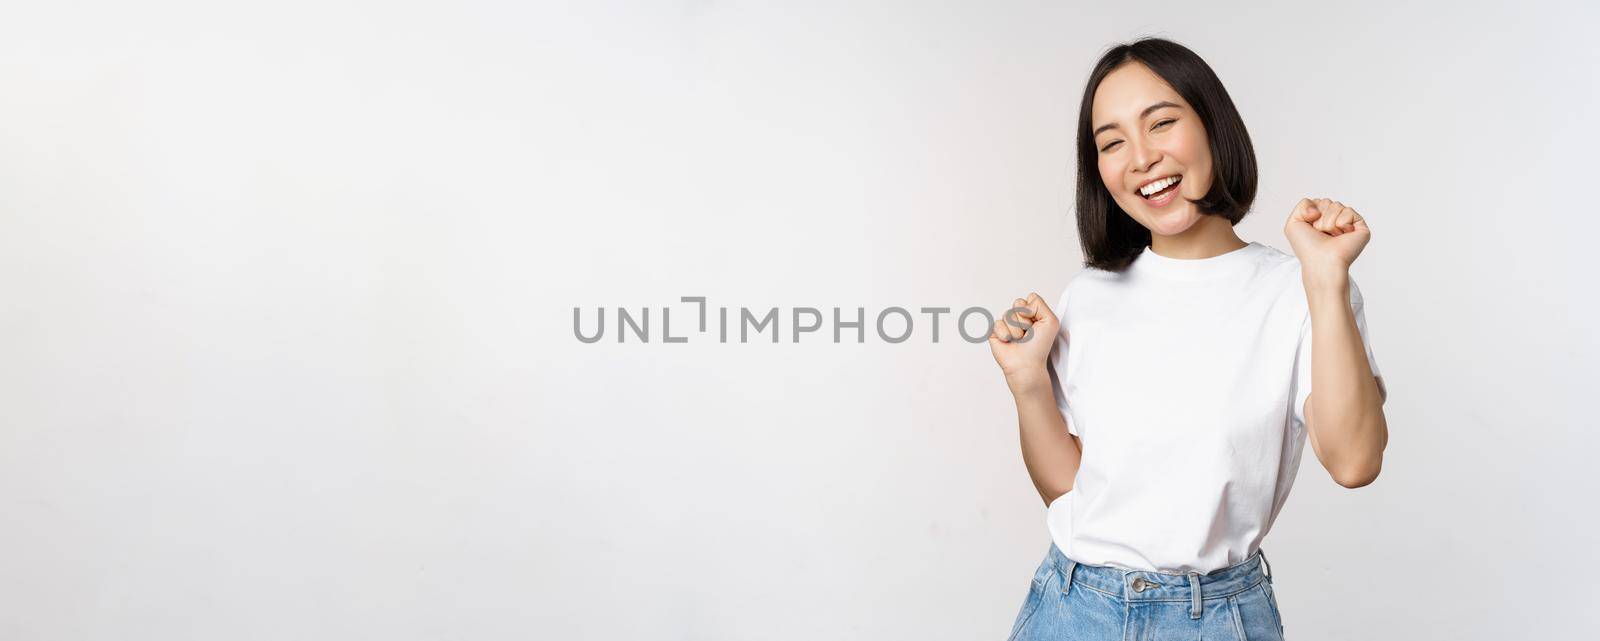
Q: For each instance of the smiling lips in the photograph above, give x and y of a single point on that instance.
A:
(1161, 192)
(1158, 187)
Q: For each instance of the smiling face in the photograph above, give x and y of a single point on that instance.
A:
(1151, 143)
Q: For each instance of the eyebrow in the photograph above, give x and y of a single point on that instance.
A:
(1142, 114)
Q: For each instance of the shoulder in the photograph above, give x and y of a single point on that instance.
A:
(1092, 279)
(1089, 284)
(1271, 261)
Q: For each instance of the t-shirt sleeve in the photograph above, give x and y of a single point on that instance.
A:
(1302, 374)
(1057, 363)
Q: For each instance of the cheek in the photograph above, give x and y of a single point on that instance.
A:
(1110, 174)
(1194, 150)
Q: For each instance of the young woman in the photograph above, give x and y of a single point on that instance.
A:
(1164, 413)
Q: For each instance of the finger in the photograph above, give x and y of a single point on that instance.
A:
(1008, 322)
(1346, 217)
(1041, 310)
(1360, 224)
(1325, 223)
(1330, 217)
(1005, 330)
(1020, 318)
(1304, 211)
(1314, 214)
(1001, 331)
(1019, 323)
(1023, 308)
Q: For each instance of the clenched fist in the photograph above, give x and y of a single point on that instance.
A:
(1021, 341)
(1326, 236)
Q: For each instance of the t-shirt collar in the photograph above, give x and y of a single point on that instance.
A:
(1195, 268)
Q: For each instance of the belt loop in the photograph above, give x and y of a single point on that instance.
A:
(1194, 589)
(1066, 577)
(1266, 568)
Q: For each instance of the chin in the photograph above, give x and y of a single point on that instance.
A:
(1171, 223)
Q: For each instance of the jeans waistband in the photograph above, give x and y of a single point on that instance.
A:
(1141, 585)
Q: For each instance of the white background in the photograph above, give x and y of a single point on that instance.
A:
(286, 292)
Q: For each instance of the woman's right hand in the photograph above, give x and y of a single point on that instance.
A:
(1021, 340)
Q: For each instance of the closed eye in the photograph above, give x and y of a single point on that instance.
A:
(1154, 127)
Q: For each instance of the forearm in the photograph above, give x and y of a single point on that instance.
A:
(1348, 422)
(1049, 451)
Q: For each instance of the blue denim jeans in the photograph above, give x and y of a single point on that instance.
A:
(1068, 600)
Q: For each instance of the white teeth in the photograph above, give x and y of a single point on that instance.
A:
(1157, 185)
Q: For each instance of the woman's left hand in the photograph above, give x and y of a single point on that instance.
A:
(1326, 237)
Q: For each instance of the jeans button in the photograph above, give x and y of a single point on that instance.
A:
(1138, 584)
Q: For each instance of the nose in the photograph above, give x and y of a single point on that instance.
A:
(1144, 156)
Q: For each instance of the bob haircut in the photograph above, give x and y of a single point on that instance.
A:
(1111, 238)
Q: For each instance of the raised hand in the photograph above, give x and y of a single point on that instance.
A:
(1021, 341)
(1326, 235)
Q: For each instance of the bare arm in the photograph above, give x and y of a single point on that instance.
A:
(1049, 451)
(1344, 415)
(1021, 342)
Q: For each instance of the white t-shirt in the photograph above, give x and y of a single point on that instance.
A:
(1186, 381)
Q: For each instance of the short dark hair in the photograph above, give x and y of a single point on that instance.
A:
(1111, 239)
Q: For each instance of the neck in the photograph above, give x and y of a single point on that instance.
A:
(1210, 236)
